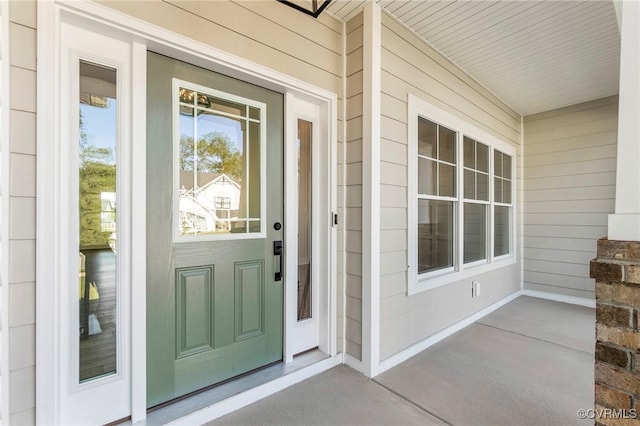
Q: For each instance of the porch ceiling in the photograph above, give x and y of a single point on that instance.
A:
(535, 55)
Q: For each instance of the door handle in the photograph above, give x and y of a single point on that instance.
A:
(277, 251)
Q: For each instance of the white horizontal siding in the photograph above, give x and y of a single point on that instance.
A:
(310, 50)
(569, 190)
(21, 192)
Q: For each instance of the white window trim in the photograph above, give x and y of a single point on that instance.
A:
(416, 283)
(262, 107)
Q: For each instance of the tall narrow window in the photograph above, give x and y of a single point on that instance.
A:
(476, 199)
(502, 171)
(98, 221)
(437, 195)
(304, 219)
(219, 187)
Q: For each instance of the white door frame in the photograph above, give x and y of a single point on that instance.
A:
(142, 36)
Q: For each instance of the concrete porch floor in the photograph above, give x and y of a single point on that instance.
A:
(528, 363)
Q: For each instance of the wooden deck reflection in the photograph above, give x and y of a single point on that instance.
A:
(98, 350)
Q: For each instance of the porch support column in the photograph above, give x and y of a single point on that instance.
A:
(617, 367)
(624, 225)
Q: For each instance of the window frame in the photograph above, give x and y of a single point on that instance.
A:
(417, 283)
(436, 195)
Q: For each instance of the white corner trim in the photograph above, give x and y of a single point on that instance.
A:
(400, 357)
(354, 363)
(47, 253)
(371, 189)
(5, 164)
(343, 216)
(519, 200)
(139, 234)
(250, 396)
(582, 301)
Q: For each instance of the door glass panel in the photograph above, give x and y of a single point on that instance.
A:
(304, 219)
(97, 221)
(220, 188)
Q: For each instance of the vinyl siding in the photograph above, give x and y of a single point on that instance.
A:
(409, 66)
(22, 212)
(353, 308)
(569, 190)
(267, 33)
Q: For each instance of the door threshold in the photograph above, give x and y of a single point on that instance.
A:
(220, 400)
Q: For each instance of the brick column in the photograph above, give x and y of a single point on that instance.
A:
(617, 369)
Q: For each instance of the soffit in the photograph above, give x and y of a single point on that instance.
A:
(534, 55)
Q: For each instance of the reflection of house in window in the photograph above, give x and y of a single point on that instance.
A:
(108, 211)
(212, 206)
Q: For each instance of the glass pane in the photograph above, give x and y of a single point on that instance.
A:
(469, 184)
(187, 176)
(497, 190)
(501, 234)
(447, 145)
(497, 163)
(427, 137)
(447, 180)
(220, 167)
(475, 229)
(254, 113)
(482, 157)
(97, 219)
(506, 166)
(187, 96)
(469, 152)
(482, 187)
(506, 191)
(435, 235)
(426, 176)
(220, 105)
(254, 170)
(304, 219)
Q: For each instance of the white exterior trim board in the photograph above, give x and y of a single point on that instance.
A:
(371, 189)
(404, 355)
(572, 300)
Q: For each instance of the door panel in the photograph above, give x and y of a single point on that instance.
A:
(214, 310)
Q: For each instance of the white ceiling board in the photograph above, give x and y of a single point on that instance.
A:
(534, 55)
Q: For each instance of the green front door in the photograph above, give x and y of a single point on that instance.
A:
(214, 198)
